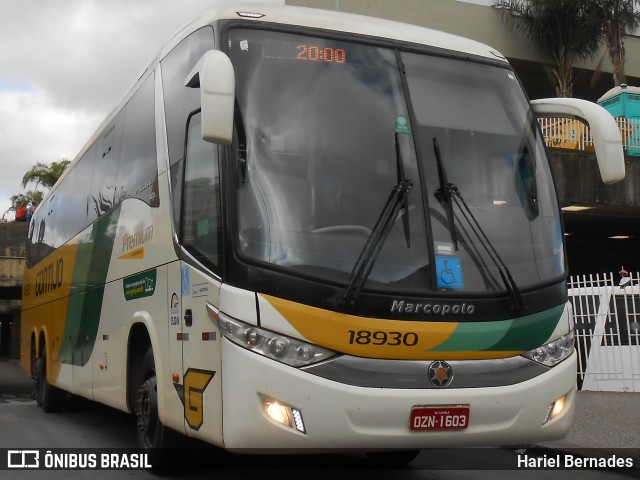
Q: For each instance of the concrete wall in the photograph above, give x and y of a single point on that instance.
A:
(578, 180)
(13, 237)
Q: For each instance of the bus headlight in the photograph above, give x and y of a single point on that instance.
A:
(285, 414)
(552, 353)
(282, 348)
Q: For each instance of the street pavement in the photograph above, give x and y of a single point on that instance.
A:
(15, 385)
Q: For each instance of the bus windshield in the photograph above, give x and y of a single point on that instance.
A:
(327, 128)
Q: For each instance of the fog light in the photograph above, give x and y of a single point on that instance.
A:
(556, 408)
(278, 412)
(284, 414)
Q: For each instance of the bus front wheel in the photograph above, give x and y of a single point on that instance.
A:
(152, 435)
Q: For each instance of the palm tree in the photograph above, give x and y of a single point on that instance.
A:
(564, 30)
(45, 175)
(616, 18)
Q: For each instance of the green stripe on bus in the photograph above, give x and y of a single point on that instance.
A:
(521, 334)
(89, 277)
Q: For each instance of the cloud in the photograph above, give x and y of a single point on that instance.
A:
(64, 65)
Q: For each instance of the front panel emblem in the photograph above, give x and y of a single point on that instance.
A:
(440, 374)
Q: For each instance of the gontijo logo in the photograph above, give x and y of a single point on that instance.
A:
(49, 277)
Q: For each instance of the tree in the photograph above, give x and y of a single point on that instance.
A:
(40, 174)
(30, 196)
(616, 18)
(564, 30)
(45, 175)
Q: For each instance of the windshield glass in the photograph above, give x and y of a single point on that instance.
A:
(317, 162)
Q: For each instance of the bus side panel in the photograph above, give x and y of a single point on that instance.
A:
(135, 293)
(109, 366)
(47, 287)
(171, 408)
(201, 388)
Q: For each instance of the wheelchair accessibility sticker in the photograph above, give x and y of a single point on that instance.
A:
(449, 272)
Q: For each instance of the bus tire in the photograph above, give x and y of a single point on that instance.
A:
(153, 437)
(393, 458)
(48, 397)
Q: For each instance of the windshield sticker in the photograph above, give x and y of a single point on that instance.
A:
(449, 272)
(200, 290)
(186, 283)
(174, 312)
(402, 125)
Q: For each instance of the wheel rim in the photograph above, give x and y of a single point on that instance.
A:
(148, 411)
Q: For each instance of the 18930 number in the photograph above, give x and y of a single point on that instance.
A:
(366, 337)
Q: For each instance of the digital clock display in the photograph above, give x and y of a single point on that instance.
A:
(308, 50)
(315, 53)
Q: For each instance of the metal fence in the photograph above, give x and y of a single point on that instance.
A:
(573, 134)
(607, 323)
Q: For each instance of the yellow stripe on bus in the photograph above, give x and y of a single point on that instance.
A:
(365, 337)
(47, 281)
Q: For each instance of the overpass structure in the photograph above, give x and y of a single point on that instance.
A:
(13, 237)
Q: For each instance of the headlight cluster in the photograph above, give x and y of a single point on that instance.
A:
(554, 352)
(290, 351)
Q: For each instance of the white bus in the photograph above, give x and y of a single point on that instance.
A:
(304, 229)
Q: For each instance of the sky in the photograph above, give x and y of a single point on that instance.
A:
(64, 65)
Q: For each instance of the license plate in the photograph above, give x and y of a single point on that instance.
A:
(443, 417)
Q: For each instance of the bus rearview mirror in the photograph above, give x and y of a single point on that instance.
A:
(215, 77)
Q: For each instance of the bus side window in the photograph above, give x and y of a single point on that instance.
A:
(180, 101)
(105, 170)
(137, 177)
(201, 217)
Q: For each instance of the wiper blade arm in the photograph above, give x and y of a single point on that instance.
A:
(398, 199)
(448, 192)
(367, 258)
(445, 193)
(405, 202)
(514, 292)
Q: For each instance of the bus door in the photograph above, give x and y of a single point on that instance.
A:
(201, 380)
(201, 237)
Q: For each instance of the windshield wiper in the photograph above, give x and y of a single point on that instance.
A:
(398, 199)
(445, 193)
(448, 192)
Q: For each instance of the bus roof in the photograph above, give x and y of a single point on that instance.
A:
(314, 18)
(338, 22)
